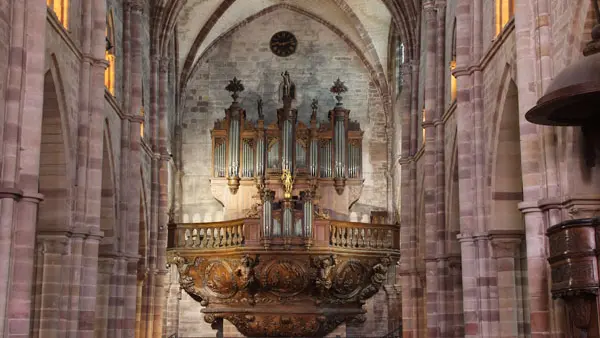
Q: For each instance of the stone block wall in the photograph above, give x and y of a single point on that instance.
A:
(321, 57)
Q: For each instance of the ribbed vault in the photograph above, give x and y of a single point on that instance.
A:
(367, 24)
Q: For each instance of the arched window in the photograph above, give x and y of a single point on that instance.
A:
(60, 9)
(109, 73)
(399, 62)
(453, 65)
(142, 114)
(505, 10)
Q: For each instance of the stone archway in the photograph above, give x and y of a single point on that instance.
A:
(506, 222)
(54, 252)
(106, 314)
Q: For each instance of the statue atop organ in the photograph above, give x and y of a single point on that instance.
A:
(323, 155)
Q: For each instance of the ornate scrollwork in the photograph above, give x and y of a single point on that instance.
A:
(284, 278)
(255, 285)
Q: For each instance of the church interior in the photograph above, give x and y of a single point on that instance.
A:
(299, 168)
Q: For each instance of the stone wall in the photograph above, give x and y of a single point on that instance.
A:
(320, 59)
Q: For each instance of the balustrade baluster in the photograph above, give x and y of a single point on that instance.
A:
(203, 238)
(188, 238)
(195, 238)
(349, 238)
(210, 235)
(362, 238)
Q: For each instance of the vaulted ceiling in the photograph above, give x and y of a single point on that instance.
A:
(199, 23)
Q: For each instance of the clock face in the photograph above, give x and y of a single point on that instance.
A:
(283, 44)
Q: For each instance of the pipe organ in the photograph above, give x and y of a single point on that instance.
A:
(327, 150)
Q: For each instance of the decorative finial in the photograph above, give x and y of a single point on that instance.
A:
(338, 88)
(235, 86)
(259, 103)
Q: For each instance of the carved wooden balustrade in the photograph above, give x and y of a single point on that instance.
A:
(283, 290)
(363, 236)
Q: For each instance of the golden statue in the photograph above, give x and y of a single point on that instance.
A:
(288, 183)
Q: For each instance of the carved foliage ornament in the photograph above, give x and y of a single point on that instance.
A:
(326, 279)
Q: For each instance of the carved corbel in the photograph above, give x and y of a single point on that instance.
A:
(378, 277)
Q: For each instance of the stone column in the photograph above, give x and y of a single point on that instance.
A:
(532, 35)
(149, 285)
(19, 154)
(163, 161)
(429, 185)
(445, 295)
(408, 232)
(505, 251)
(133, 172)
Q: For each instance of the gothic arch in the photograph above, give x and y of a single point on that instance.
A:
(506, 174)
(110, 243)
(377, 78)
(54, 212)
(54, 175)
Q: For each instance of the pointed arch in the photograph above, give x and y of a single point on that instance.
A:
(108, 216)
(506, 174)
(55, 156)
(378, 77)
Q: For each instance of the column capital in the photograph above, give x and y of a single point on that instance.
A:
(163, 65)
(135, 5)
(429, 7)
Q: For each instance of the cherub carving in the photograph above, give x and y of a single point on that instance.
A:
(245, 271)
(324, 277)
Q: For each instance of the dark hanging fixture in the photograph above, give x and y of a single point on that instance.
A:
(573, 97)
(109, 44)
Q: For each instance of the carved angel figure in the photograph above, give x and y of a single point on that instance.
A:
(324, 278)
(245, 271)
(377, 279)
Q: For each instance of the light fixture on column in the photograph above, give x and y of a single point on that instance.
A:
(573, 97)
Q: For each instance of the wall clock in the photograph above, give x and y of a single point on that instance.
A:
(283, 44)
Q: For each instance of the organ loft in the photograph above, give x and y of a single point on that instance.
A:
(286, 261)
